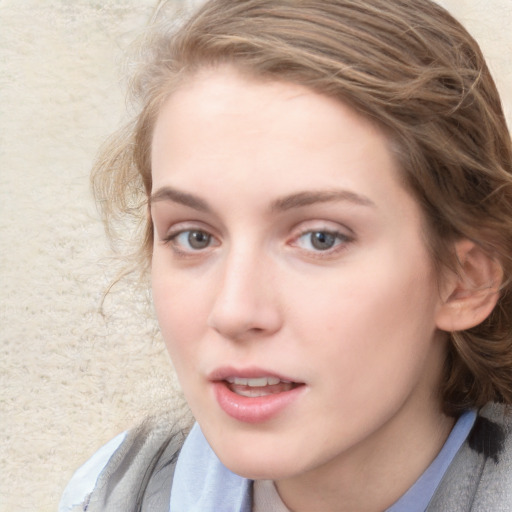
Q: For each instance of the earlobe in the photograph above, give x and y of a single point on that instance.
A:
(470, 295)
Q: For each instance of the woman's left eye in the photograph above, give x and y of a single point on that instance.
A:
(320, 240)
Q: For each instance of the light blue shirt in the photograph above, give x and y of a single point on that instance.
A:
(419, 495)
(203, 484)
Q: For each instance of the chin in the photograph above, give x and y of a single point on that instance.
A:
(258, 462)
(256, 470)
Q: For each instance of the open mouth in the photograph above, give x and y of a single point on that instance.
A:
(260, 386)
(253, 398)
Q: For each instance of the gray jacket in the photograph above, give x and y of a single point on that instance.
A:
(138, 477)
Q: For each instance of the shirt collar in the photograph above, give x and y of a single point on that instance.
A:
(419, 495)
(203, 484)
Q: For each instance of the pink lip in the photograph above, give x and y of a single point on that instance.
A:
(251, 409)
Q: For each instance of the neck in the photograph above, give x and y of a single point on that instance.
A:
(374, 475)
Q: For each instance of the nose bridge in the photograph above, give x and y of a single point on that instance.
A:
(245, 302)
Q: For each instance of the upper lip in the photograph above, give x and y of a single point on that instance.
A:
(252, 372)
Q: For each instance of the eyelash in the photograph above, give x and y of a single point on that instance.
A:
(172, 240)
(340, 241)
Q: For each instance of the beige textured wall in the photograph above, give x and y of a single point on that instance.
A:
(71, 378)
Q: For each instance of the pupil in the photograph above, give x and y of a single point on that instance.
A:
(198, 239)
(322, 241)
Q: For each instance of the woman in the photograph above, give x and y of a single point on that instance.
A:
(328, 193)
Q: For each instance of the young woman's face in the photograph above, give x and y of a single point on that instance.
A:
(290, 277)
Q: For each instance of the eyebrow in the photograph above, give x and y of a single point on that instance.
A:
(298, 200)
(308, 198)
(177, 196)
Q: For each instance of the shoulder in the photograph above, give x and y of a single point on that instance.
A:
(85, 477)
(492, 439)
(491, 435)
(127, 467)
(480, 477)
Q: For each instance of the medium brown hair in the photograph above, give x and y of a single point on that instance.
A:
(405, 64)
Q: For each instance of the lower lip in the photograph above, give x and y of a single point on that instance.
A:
(253, 409)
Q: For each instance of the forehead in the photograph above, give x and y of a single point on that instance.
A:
(225, 134)
(228, 97)
(221, 104)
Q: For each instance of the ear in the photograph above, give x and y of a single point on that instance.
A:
(469, 295)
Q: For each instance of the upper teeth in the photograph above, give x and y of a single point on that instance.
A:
(254, 383)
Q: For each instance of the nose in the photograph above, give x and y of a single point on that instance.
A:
(245, 305)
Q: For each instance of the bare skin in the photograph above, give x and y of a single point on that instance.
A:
(286, 245)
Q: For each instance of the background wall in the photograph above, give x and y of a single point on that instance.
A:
(71, 378)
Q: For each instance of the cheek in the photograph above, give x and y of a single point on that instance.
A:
(180, 309)
(377, 316)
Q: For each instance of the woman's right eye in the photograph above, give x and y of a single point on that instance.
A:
(191, 240)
